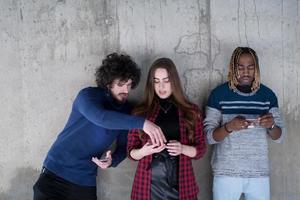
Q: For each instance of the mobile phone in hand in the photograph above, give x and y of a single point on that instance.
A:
(253, 123)
(104, 159)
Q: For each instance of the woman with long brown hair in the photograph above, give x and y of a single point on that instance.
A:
(165, 171)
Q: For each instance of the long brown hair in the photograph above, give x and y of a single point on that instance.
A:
(150, 99)
(232, 78)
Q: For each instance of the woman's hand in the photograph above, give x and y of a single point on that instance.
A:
(149, 149)
(146, 150)
(174, 148)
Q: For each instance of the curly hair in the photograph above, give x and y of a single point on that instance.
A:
(117, 66)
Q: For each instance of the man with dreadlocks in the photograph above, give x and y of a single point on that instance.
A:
(240, 116)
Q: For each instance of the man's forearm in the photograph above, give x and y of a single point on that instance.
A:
(220, 133)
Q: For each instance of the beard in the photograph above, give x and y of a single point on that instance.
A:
(244, 88)
(245, 80)
(122, 97)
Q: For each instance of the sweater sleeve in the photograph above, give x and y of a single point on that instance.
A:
(212, 119)
(274, 109)
(90, 106)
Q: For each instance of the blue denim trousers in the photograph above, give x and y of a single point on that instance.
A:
(231, 188)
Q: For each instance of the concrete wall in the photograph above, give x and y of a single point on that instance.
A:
(50, 49)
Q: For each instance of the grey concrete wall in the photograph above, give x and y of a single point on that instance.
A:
(50, 49)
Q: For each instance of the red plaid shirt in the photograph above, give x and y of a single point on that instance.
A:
(188, 187)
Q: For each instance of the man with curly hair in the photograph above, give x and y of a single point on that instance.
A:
(99, 116)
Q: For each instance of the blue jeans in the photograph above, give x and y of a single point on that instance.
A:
(231, 188)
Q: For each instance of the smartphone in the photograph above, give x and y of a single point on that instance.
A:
(253, 123)
(104, 159)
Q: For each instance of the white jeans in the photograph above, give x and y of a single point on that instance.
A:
(231, 188)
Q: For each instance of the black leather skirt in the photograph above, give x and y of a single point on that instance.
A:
(164, 176)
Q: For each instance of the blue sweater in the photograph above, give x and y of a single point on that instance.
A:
(235, 102)
(95, 122)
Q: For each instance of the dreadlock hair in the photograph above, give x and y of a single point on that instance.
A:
(232, 74)
(117, 66)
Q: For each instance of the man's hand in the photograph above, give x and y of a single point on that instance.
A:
(156, 135)
(237, 123)
(103, 163)
(266, 120)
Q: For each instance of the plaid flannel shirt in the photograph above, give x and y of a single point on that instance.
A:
(188, 187)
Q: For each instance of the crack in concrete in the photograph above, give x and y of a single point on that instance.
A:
(198, 82)
(282, 48)
(146, 29)
(161, 14)
(245, 23)
(218, 52)
(105, 31)
(297, 8)
(111, 26)
(210, 61)
(257, 18)
(200, 13)
(186, 78)
(195, 38)
(238, 20)
(21, 14)
(48, 8)
(61, 1)
(246, 19)
(118, 45)
(111, 30)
